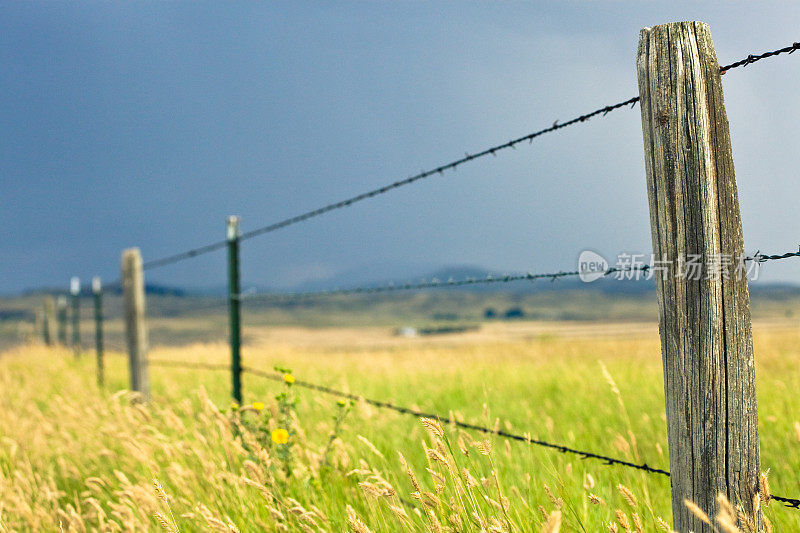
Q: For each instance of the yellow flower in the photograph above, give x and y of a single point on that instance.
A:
(258, 406)
(280, 436)
(288, 378)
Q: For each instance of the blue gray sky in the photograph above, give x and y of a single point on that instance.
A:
(147, 123)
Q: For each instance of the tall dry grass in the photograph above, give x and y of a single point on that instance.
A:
(74, 458)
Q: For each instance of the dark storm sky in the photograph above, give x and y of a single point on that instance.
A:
(146, 123)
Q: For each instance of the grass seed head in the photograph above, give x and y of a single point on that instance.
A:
(355, 522)
(628, 495)
(763, 487)
(663, 525)
(595, 499)
(695, 510)
(433, 426)
(484, 447)
(553, 523)
(165, 523)
(622, 519)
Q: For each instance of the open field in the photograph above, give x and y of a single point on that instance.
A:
(179, 320)
(85, 459)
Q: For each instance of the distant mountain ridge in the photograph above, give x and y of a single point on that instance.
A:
(150, 288)
(378, 275)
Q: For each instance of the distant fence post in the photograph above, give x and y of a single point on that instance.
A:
(135, 328)
(61, 305)
(39, 326)
(704, 311)
(75, 292)
(234, 306)
(49, 323)
(97, 291)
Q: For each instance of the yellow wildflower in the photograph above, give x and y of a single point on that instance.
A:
(280, 436)
(258, 406)
(288, 378)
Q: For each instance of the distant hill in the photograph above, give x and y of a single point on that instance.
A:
(150, 288)
(384, 274)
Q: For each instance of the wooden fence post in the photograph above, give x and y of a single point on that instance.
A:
(97, 291)
(49, 323)
(75, 292)
(61, 305)
(704, 313)
(233, 306)
(135, 328)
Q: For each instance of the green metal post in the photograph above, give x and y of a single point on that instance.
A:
(233, 304)
(61, 304)
(75, 290)
(97, 291)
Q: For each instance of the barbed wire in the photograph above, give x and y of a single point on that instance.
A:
(204, 304)
(607, 460)
(758, 57)
(436, 284)
(251, 296)
(787, 502)
(170, 259)
(464, 425)
(156, 263)
(761, 258)
(433, 284)
(188, 365)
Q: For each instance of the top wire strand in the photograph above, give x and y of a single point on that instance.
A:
(170, 259)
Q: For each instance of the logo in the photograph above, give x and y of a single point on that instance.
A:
(591, 266)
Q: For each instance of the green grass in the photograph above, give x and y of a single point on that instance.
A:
(551, 387)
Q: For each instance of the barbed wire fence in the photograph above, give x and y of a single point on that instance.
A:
(452, 421)
(757, 258)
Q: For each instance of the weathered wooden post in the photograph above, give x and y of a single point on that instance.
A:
(75, 292)
(97, 291)
(61, 305)
(234, 306)
(135, 329)
(49, 324)
(704, 313)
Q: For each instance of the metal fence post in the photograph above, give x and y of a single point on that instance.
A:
(97, 291)
(234, 306)
(704, 311)
(75, 291)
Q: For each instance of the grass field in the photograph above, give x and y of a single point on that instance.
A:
(80, 459)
